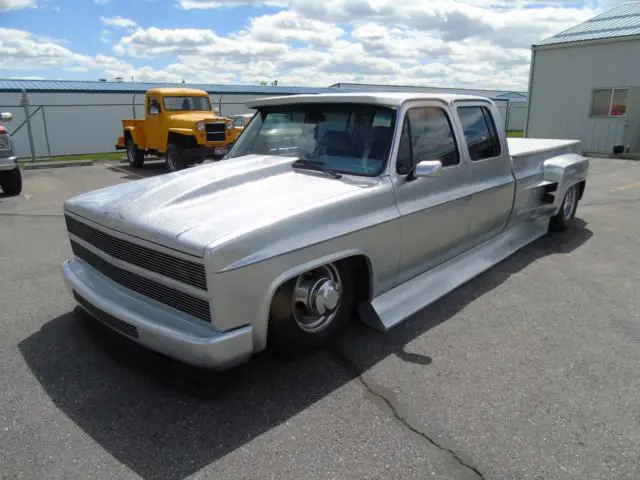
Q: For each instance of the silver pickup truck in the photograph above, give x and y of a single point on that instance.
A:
(366, 206)
(10, 175)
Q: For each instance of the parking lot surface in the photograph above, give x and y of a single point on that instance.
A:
(530, 371)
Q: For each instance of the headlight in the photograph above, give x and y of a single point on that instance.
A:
(229, 126)
(200, 126)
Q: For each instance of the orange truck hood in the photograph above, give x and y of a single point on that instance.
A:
(195, 116)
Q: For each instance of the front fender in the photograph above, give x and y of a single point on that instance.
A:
(188, 132)
(243, 296)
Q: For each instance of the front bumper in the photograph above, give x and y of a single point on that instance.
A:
(8, 163)
(208, 151)
(154, 326)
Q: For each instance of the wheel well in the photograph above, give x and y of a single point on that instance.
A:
(361, 269)
(581, 187)
(185, 141)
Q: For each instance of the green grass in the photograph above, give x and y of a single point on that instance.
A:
(96, 157)
(515, 133)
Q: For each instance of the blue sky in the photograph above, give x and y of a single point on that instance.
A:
(467, 43)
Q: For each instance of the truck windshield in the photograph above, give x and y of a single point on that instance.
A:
(347, 138)
(191, 104)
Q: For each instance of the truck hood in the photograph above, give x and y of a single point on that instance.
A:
(194, 117)
(193, 208)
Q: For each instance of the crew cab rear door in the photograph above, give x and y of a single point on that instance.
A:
(492, 182)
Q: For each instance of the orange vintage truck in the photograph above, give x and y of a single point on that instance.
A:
(180, 125)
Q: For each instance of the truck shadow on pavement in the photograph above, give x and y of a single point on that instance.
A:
(167, 421)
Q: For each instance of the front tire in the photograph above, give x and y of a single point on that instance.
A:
(309, 310)
(11, 181)
(175, 157)
(135, 156)
(565, 216)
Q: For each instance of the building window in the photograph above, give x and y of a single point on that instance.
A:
(609, 102)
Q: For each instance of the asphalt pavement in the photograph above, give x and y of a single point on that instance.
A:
(530, 371)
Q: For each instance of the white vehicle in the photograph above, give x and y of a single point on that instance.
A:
(10, 176)
(349, 205)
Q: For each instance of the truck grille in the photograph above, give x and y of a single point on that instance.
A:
(106, 318)
(184, 271)
(169, 296)
(216, 132)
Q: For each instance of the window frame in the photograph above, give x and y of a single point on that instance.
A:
(289, 110)
(158, 101)
(491, 121)
(612, 92)
(407, 119)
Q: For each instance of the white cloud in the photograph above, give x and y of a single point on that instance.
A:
(152, 42)
(211, 4)
(464, 43)
(7, 5)
(118, 22)
(287, 25)
(101, 2)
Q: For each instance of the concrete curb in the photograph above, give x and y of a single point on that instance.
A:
(70, 163)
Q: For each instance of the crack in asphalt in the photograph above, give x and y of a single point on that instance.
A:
(399, 412)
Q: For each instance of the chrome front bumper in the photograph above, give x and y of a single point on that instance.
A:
(8, 163)
(154, 326)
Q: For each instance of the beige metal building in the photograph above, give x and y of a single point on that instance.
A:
(585, 83)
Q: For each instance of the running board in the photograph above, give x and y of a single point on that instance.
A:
(399, 303)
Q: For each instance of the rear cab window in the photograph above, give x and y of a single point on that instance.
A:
(480, 132)
(427, 134)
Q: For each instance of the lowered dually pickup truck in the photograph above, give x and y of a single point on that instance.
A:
(361, 205)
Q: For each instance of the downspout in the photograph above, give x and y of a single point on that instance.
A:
(532, 66)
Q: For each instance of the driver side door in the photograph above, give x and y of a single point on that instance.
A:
(155, 136)
(434, 210)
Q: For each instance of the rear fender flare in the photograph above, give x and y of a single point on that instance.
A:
(565, 171)
(137, 135)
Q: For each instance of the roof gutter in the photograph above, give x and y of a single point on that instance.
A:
(594, 41)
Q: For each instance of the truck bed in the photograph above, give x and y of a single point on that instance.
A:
(521, 147)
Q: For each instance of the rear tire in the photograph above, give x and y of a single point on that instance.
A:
(175, 157)
(135, 156)
(11, 181)
(565, 216)
(295, 332)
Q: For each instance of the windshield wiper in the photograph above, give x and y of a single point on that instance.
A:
(305, 164)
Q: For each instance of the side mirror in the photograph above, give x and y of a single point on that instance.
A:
(5, 117)
(426, 168)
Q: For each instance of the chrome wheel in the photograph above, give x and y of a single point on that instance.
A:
(569, 203)
(317, 296)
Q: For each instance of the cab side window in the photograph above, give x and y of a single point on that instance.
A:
(479, 132)
(154, 106)
(427, 134)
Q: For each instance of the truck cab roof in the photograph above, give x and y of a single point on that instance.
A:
(177, 92)
(391, 99)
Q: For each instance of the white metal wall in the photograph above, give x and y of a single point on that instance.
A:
(561, 89)
(76, 123)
